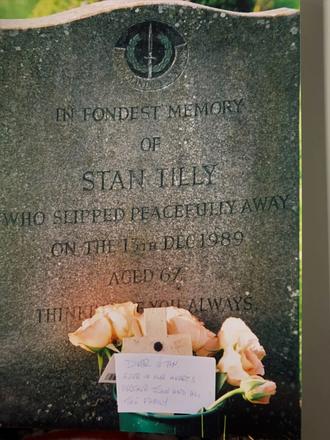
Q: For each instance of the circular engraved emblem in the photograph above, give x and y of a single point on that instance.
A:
(151, 55)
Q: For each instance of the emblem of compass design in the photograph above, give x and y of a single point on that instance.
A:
(151, 55)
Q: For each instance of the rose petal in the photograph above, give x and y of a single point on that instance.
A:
(95, 333)
(231, 364)
(210, 347)
(251, 363)
(122, 317)
(181, 321)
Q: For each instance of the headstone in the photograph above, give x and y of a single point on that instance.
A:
(149, 153)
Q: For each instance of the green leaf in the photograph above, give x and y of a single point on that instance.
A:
(220, 380)
(108, 353)
(258, 396)
(287, 4)
(16, 8)
(100, 362)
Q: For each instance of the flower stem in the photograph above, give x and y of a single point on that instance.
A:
(224, 397)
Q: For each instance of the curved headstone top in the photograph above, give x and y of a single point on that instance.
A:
(86, 11)
(149, 153)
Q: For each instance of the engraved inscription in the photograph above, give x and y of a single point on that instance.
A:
(134, 214)
(151, 55)
(218, 107)
(239, 303)
(136, 245)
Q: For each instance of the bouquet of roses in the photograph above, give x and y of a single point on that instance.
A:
(236, 347)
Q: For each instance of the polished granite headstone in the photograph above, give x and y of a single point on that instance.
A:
(149, 152)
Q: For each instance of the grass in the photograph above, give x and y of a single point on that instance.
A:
(16, 8)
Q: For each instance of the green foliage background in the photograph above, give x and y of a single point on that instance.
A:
(38, 8)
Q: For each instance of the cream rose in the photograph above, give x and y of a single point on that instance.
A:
(242, 351)
(181, 321)
(123, 318)
(231, 364)
(110, 324)
(95, 332)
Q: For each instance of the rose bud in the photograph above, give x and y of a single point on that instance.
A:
(258, 390)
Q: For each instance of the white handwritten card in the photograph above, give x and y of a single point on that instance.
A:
(164, 383)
